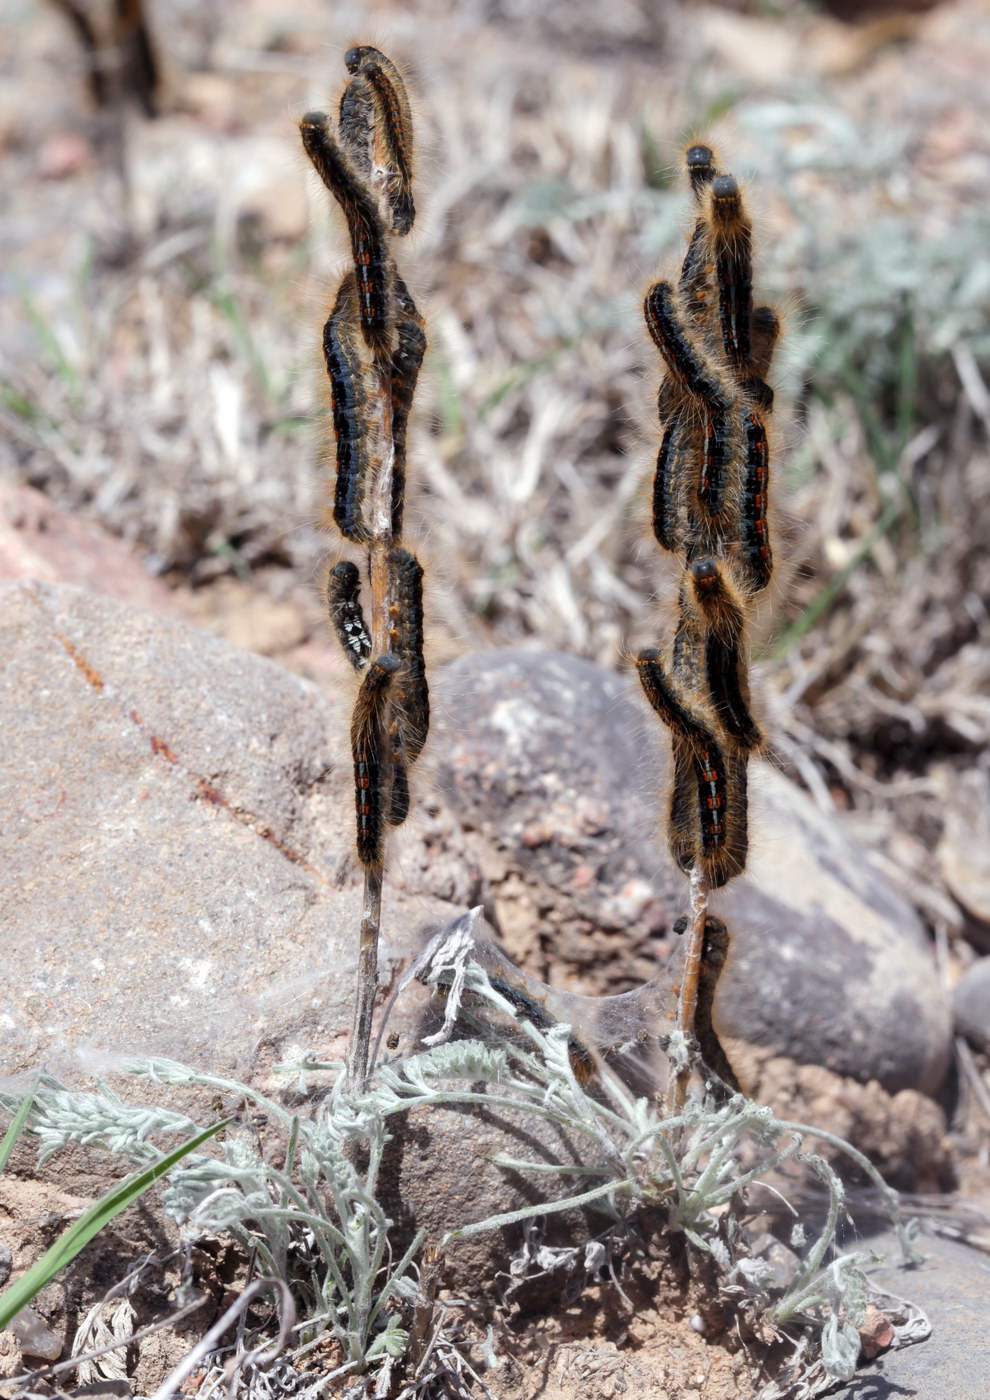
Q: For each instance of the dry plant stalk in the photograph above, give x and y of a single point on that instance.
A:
(374, 341)
(710, 496)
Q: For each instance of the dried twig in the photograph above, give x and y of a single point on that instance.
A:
(374, 342)
(710, 504)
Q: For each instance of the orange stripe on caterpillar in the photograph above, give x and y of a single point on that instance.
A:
(756, 552)
(716, 460)
(687, 364)
(372, 264)
(368, 746)
(406, 363)
(393, 129)
(349, 410)
(732, 239)
(406, 632)
(344, 606)
(725, 668)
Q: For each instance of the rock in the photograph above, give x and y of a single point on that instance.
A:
(971, 1004)
(829, 964)
(554, 766)
(178, 874)
(33, 1337)
(548, 764)
(39, 541)
(951, 1286)
(904, 1134)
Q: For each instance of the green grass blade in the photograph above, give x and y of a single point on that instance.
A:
(77, 1236)
(14, 1131)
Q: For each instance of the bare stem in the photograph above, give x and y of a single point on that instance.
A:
(687, 1001)
(379, 508)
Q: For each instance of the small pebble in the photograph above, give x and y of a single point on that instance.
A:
(33, 1337)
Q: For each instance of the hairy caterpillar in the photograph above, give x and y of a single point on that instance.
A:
(723, 612)
(531, 1008)
(372, 264)
(349, 410)
(732, 238)
(715, 838)
(368, 742)
(715, 952)
(344, 606)
(756, 552)
(667, 483)
(686, 363)
(406, 616)
(393, 126)
(406, 363)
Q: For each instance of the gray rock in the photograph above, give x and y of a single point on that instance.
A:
(954, 1363)
(971, 1004)
(556, 768)
(178, 874)
(829, 964)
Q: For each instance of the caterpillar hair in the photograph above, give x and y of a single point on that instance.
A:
(356, 124)
(716, 460)
(700, 161)
(372, 263)
(724, 661)
(399, 806)
(665, 700)
(715, 952)
(696, 271)
(528, 1007)
(349, 411)
(756, 552)
(406, 615)
(682, 826)
(764, 328)
(394, 127)
(724, 836)
(685, 362)
(368, 744)
(716, 838)
(667, 481)
(687, 661)
(406, 363)
(344, 606)
(732, 239)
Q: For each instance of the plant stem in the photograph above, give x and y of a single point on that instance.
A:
(687, 1001)
(379, 508)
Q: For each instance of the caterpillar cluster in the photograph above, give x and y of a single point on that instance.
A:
(709, 505)
(374, 341)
